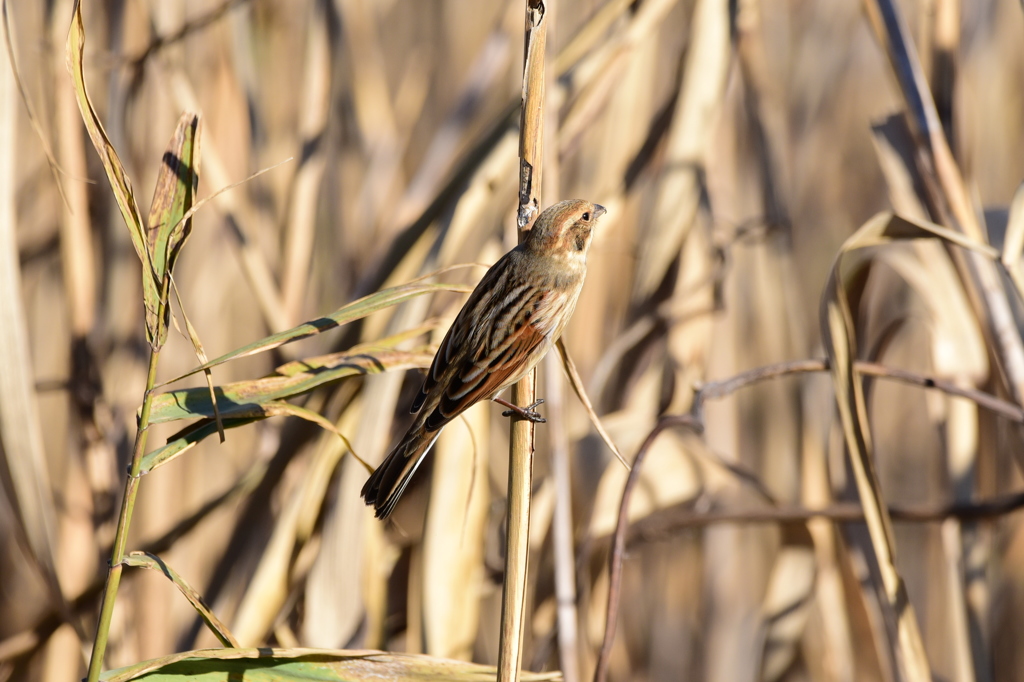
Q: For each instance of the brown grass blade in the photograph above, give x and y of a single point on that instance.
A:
(953, 200)
(197, 346)
(577, 386)
(155, 563)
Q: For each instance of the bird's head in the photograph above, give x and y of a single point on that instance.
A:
(565, 229)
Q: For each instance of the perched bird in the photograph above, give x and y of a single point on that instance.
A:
(512, 318)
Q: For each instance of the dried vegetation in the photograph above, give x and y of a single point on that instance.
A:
(801, 322)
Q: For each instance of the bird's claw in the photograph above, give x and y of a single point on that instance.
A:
(529, 412)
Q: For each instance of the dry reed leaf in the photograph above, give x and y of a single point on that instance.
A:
(348, 313)
(222, 665)
(1013, 242)
(120, 184)
(786, 606)
(957, 351)
(924, 119)
(155, 563)
(577, 386)
(839, 334)
(958, 343)
(988, 294)
(27, 484)
(453, 542)
(333, 603)
(700, 96)
(268, 589)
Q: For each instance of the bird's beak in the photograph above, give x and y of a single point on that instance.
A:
(599, 210)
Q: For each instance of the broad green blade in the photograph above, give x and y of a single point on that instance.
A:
(185, 440)
(348, 313)
(238, 398)
(309, 665)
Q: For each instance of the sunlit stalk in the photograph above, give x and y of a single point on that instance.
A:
(124, 520)
(521, 437)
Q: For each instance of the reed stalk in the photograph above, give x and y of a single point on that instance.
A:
(522, 431)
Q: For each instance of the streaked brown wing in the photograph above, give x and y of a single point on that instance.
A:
(510, 339)
(461, 332)
(476, 380)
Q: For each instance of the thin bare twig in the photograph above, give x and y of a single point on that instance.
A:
(619, 539)
(668, 523)
(724, 387)
(684, 517)
(186, 29)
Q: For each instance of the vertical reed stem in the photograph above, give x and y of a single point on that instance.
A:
(521, 439)
(124, 520)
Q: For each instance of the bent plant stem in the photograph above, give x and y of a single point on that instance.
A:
(131, 489)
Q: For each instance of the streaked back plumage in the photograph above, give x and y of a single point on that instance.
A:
(508, 323)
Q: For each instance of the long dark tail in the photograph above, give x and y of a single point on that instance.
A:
(387, 483)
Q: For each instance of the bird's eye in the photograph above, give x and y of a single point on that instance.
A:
(586, 215)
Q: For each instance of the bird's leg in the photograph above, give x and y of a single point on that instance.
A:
(527, 412)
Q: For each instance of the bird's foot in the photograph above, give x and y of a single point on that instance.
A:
(528, 412)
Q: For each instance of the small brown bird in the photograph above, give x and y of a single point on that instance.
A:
(512, 318)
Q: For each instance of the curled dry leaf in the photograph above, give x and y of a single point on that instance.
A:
(120, 184)
(839, 335)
